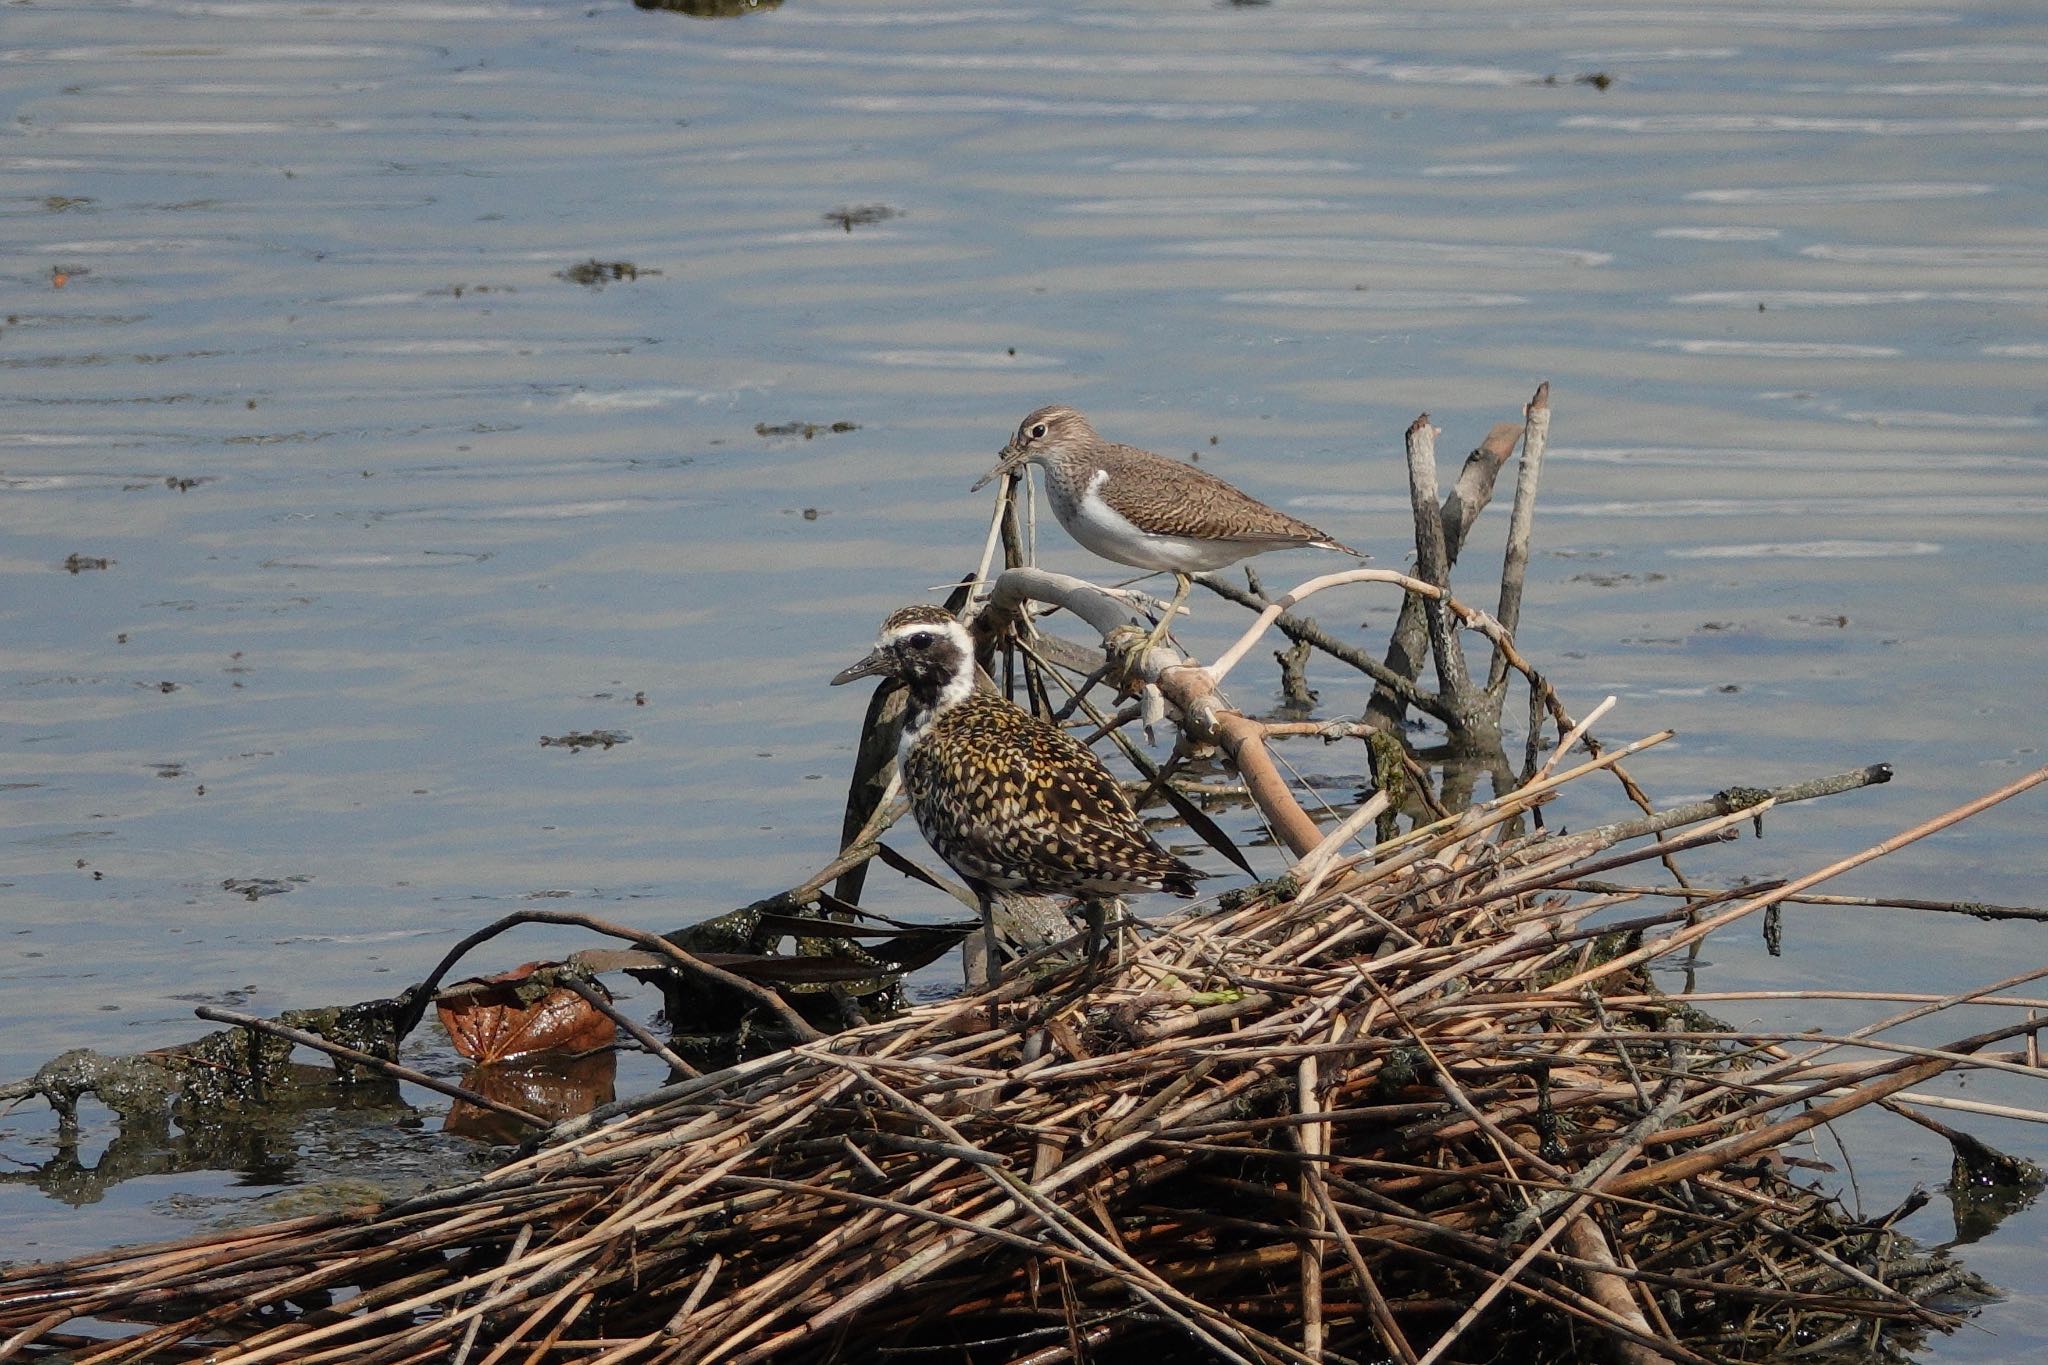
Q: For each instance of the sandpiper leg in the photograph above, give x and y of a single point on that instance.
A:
(992, 961)
(1165, 627)
(1091, 947)
(1103, 917)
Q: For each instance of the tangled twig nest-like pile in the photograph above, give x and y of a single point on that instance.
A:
(1420, 1102)
(1383, 1108)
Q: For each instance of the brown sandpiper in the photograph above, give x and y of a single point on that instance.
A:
(1145, 510)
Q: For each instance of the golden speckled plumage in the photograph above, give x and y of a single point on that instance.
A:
(1019, 804)
(1010, 801)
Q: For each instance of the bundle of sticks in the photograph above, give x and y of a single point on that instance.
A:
(1396, 1101)
(1366, 1111)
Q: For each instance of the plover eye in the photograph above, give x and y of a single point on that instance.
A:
(1038, 431)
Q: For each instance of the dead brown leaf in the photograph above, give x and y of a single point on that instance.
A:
(509, 1015)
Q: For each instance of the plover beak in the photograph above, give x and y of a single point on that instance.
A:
(1011, 459)
(866, 668)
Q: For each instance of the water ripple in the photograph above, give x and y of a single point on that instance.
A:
(1231, 165)
(1911, 419)
(1655, 54)
(1940, 89)
(1915, 508)
(1720, 234)
(1778, 350)
(1475, 169)
(1374, 298)
(1927, 255)
(1059, 108)
(1192, 205)
(1778, 458)
(1897, 192)
(2017, 53)
(919, 17)
(141, 246)
(1038, 59)
(220, 128)
(552, 511)
(1860, 298)
(208, 52)
(1799, 123)
(634, 400)
(1385, 252)
(370, 559)
(1811, 549)
(1437, 18)
(1424, 73)
(964, 360)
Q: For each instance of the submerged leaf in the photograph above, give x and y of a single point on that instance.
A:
(555, 1087)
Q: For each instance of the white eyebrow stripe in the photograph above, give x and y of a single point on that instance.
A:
(953, 629)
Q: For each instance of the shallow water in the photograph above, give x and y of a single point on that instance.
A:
(386, 499)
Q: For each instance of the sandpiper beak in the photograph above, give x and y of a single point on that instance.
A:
(866, 668)
(1011, 459)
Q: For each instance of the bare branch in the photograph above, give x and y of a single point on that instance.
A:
(1521, 528)
(1433, 562)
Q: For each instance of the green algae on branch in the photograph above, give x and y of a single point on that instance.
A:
(221, 1070)
(577, 741)
(709, 9)
(596, 274)
(862, 215)
(256, 888)
(807, 430)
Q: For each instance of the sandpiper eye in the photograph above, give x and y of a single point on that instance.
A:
(1038, 431)
(921, 640)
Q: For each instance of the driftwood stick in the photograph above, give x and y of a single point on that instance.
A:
(1190, 688)
(1408, 644)
(1694, 933)
(1886, 1079)
(1433, 564)
(1974, 909)
(999, 523)
(1470, 617)
(1575, 734)
(378, 1064)
(1313, 1141)
(1729, 800)
(1607, 1288)
(1305, 630)
(1521, 526)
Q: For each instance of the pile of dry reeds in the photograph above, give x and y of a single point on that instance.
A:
(1391, 1103)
